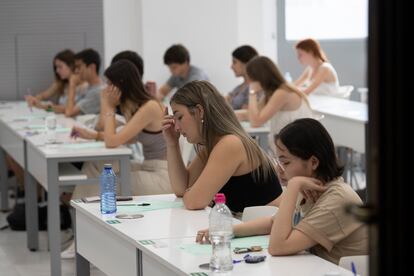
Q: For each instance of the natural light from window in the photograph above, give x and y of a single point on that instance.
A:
(326, 19)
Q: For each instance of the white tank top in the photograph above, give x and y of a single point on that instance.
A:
(329, 88)
(285, 117)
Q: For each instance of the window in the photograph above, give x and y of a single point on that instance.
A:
(326, 19)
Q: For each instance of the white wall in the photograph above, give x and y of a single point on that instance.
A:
(211, 30)
(122, 27)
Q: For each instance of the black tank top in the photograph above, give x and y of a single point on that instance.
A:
(243, 191)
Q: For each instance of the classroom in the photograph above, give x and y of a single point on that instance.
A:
(194, 137)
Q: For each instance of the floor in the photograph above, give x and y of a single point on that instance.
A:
(17, 260)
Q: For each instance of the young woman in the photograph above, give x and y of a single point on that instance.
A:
(239, 97)
(319, 76)
(271, 98)
(63, 67)
(143, 115)
(227, 161)
(307, 161)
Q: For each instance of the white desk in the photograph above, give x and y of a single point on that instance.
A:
(345, 120)
(262, 134)
(134, 245)
(12, 115)
(41, 162)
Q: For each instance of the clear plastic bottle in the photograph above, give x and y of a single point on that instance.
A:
(51, 123)
(221, 233)
(108, 190)
(288, 77)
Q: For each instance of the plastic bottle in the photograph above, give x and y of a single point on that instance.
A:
(51, 123)
(221, 233)
(108, 190)
(288, 77)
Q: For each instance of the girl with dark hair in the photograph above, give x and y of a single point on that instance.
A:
(320, 76)
(63, 67)
(143, 115)
(239, 97)
(306, 161)
(228, 160)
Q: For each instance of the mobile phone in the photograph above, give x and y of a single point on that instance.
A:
(124, 198)
(254, 259)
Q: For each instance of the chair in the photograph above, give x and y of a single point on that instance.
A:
(360, 262)
(253, 212)
(345, 91)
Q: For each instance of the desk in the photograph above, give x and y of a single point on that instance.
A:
(12, 115)
(149, 246)
(345, 120)
(42, 161)
(262, 134)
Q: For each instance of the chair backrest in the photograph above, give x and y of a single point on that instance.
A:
(360, 262)
(345, 91)
(253, 212)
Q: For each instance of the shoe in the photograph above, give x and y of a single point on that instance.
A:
(69, 253)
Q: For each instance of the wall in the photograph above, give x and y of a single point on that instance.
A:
(32, 32)
(349, 57)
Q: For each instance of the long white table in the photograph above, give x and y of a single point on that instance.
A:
(43, 162)
(149, 245)
(345, 120)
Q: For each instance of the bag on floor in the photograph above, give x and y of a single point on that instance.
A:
(17, 218)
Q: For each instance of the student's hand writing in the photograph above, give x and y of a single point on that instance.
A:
(171, 136)
(203, 236)
(31, 100)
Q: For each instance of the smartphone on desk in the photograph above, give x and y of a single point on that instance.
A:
(92, 199)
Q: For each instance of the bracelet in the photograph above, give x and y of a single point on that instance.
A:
(107, 114)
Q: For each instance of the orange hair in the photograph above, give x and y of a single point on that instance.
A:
(312, 46)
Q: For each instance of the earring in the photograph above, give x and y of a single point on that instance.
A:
(202, 121)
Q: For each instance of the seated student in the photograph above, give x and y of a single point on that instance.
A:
(87, 64)
(63, 67)
(143, 116)
(137, 60)
(239, 97)
(177, 58)
(227, 159)
(319, 76)
(306, 161)
(281, 103)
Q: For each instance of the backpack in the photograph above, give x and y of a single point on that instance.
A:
(17, 218)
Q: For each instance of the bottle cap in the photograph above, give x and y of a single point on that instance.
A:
(220, 198)
(108, 166)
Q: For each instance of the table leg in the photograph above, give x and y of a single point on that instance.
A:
(3, 181)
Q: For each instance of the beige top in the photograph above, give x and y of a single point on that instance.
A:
(338, 234)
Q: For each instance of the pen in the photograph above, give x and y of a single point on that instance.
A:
(353, 268)
(136, 204)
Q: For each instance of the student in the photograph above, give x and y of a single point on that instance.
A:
(306, 161)
(63, 67)
(319, 76)
(227, 159)
(143, 116)
(239, 97)
(177, 58)
(87, 64)
(271, 98)
(133, 57)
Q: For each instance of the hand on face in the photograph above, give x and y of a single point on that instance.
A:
(75, 80)
(171, 136)
(111, 96)
(311, 188)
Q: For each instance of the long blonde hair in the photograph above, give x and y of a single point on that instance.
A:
(219, 120)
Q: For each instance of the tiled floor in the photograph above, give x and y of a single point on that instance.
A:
(17, 260)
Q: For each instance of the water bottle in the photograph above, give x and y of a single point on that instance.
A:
(108, 190)
(50, 123)
(221, 233)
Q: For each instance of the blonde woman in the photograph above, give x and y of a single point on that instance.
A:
(228, 160)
